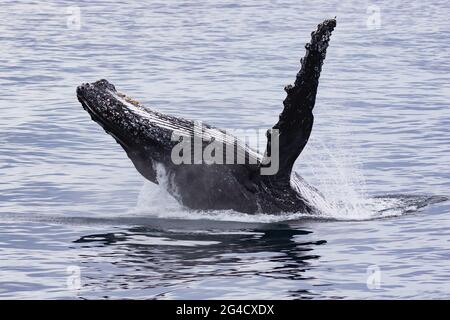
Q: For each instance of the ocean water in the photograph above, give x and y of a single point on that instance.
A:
(78, 222)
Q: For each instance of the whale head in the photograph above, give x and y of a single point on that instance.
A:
(111, 110)
(126, 120)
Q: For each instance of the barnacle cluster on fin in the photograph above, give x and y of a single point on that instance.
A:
(128, 99)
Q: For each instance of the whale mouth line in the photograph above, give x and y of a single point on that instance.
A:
(86, 106)
(84, 102)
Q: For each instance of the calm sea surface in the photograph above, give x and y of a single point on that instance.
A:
(78, 221)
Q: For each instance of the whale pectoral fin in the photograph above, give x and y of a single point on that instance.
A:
(296, 119)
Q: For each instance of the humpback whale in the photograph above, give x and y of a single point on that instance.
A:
(147, 137)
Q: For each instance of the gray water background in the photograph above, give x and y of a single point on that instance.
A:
(68, 193)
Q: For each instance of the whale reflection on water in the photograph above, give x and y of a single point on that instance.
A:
(143, 256)
(165, 257)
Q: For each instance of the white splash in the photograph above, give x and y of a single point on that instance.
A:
(342, 196)
(154, 199)
(342, 185)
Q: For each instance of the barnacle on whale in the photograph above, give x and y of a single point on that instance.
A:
(128, 99)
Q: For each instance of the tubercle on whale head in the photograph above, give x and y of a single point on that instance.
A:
(96, 97)
(102, 84)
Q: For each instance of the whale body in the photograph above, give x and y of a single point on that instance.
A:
(147, 137)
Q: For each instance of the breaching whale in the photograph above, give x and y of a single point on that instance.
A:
(147, 137)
